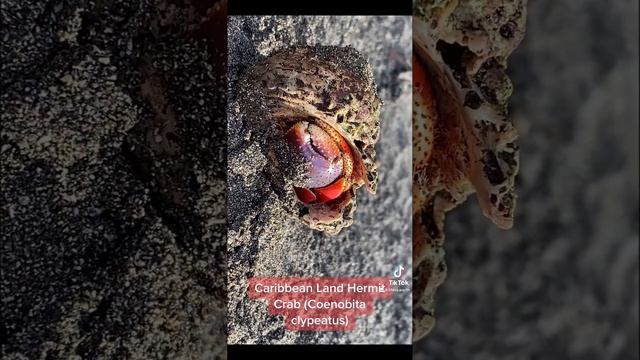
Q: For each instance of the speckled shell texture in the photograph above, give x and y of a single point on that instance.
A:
(463, 140)
(324, 83)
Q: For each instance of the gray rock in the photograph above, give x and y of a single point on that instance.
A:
(113, 191)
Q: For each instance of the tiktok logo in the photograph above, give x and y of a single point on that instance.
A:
(396, 283)
(399, 270)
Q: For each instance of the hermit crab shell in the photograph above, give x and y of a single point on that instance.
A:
(316, 100)
(463, 141)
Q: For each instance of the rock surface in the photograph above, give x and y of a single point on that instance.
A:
(113, 182)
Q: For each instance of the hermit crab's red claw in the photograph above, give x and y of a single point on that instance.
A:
(332, 191)
(305, 195)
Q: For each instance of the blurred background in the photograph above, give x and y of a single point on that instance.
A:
(113, 179)
(563, 283)
(105, 258)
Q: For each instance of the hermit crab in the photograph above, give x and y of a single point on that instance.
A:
(316, 110)
(463, 141)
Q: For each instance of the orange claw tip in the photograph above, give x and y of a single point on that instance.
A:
(331, 191)
(305, 195)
